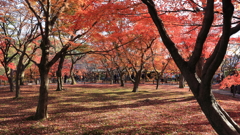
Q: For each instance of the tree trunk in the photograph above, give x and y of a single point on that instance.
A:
(181, 81)
(41, 112)
(219, 119)
(10, 80)
(137, 81)
(17, 82)
(199, 67)
(73, 81)
(217, 116)
(44, 67)
(18, 76)
(122, 81)
(201, 88)
(21, 79)
(59, 73)
(158, 79)
(59, 83)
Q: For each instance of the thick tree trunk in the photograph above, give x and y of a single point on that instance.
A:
(199, 67)
(219, 119)
(137, 81)
(22, 77)
(41, 112)
(201, 87)
(21, 80)
(217, 116)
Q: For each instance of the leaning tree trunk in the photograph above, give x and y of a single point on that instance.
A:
(218, 118)
(216, 115)
(201, 87)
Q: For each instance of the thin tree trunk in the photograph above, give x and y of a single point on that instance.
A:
(59, 84)
(59, 73)
(17, 86)
(158, 79)
(73, 81)
(122, 81)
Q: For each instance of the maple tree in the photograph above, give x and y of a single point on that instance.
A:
(52, 16)
(46, 13)
(125, 44)
(32, 73)
(201, 86)
(23, 43)
(7, 33)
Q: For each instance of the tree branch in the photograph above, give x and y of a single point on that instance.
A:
(165, 37)
(202, 36)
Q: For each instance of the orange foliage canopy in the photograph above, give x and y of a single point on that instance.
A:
(230, 80)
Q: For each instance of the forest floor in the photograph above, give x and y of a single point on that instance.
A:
(94, 109)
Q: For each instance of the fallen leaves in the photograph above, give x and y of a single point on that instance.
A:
(110, 109)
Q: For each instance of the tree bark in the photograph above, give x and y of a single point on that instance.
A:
(217, 117)
(18, 76)
(10, 79)
(73, 81)
(157, 79)
(11, 85)
(181, 81)
(137, 81)
(201, 87)
(122, 80)
(41, 112)
(59, 73)
(21, 78)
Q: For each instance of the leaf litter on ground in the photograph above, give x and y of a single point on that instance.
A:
(110, 109)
